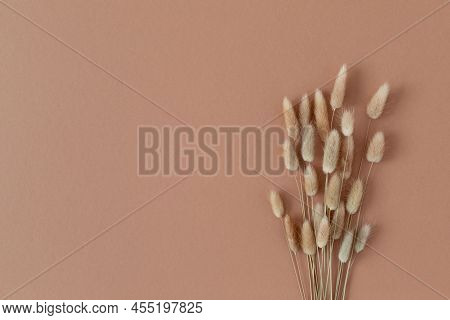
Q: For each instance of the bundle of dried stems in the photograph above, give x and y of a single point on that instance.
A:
(336, 221)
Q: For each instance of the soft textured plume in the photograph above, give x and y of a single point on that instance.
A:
(311, 181)
(362, 237)
(308, 241)
(338, 221)
(354, 196)
(321, 114)
(308, 143)
(323, 232)
(317, 214)
(289, 155)
(338, 93)
(277, 204)
(375, 151)
(347, 122)
(347, 154)
(304, 111)
(291, 234)
(331, 151)
(290, 119)
(376, 104)
(333, 191)
(346, 247)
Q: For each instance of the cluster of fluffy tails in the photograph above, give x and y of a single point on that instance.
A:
(320, 226)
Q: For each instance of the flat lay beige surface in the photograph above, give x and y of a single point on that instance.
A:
(78, 77)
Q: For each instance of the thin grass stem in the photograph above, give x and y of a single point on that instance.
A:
(365, 146)
(297, 274)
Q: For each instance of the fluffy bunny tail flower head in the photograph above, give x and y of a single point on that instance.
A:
(291, 234)
(362, 237)
(304, 111)
(338, 221)
(346, 247)
(289, 155)
(321, 115)
(331, 151)
(355, 196)
(317, 214)
(277, 204)
(347, 122)
(332, 194)
(347, 154)
(338, 93)
(323, 233)
(290, 119)
(308, 142)
(311, 181)
(376, 104)
(308, 241)
(375, 151)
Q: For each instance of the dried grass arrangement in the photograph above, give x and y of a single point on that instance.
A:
(326, 243)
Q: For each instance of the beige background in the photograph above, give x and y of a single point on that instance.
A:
(68, 140)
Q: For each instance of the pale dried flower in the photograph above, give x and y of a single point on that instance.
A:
(375, 151)
(290, 119)
(346, 247)
(317, 214)
(304, 111)
(311, 181)
(323, 232)
(333, 191)
(321, 115)
(338, 93)
(338, 221)
(291, 234)
(347, 122)
(347, 154)
(362, 237)
(331, 151)
(308, 133)
(308, 241)
(376, 104)
(354, 196)
(277, 204)
(289, 155)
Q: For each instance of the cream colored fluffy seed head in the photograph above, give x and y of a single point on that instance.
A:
(308, 241)
(333, 191)
(290, 119)
(331, 151)
(289, 155)
(304, 111)
(311, 181)
(277, 204)
(347, 122)
(346, 247)
(317, 214)
(308, 142)
(376, 104)
(354, 196)
(338, 221)
(338, 93)
(362, 237)
(323, 232)
(291, 234)
(375, 151)
(348, 150)
(321, 115)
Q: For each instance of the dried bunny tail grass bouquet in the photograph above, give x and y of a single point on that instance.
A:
(336, 220)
